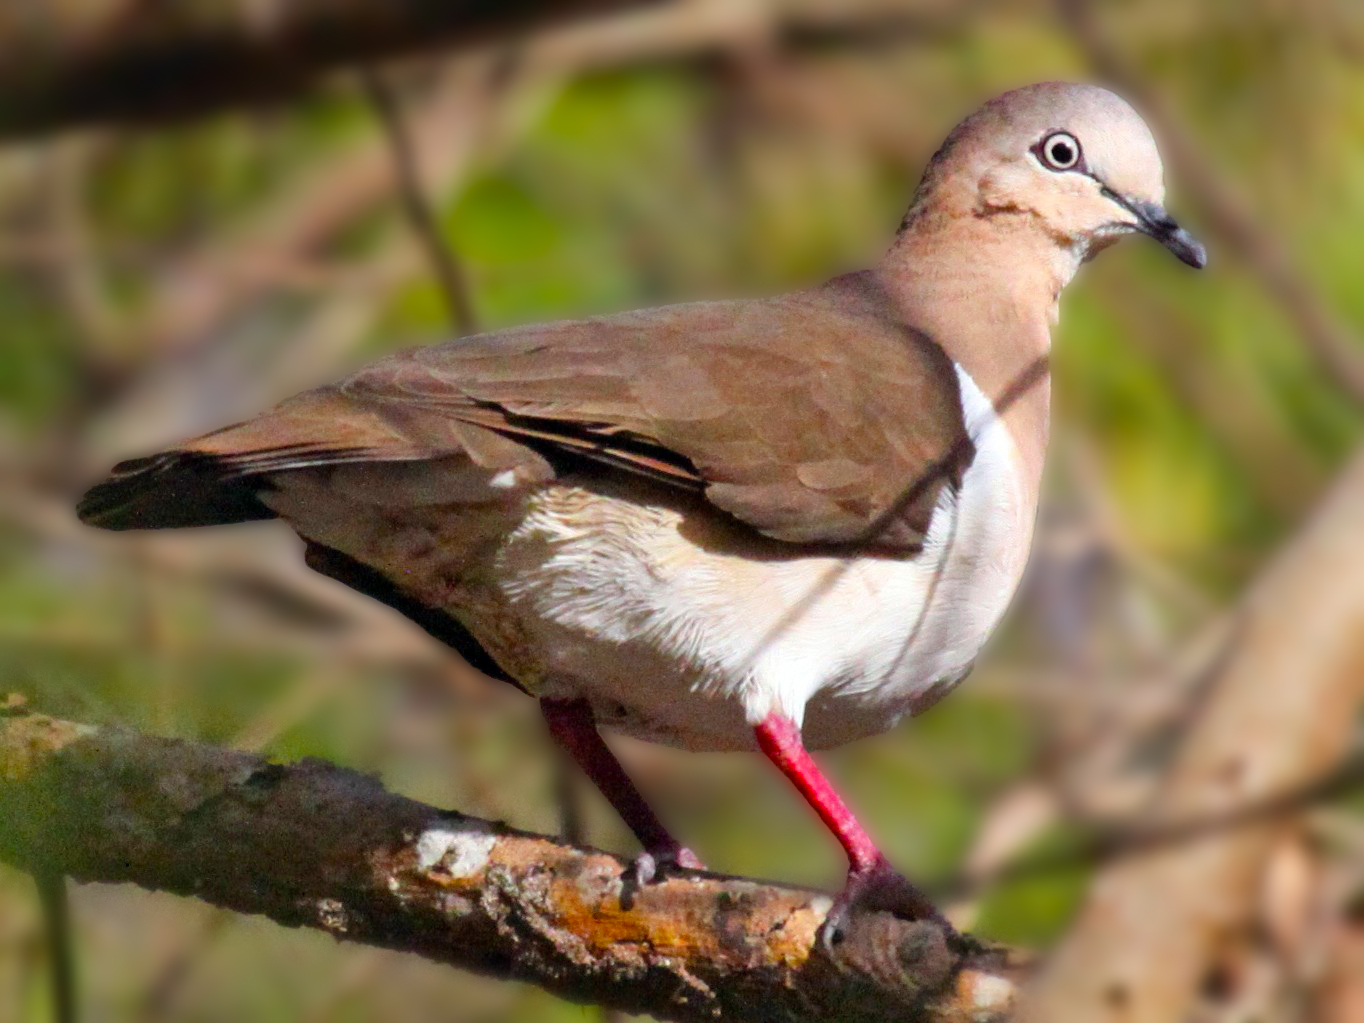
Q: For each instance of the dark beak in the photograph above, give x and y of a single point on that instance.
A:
(1152, 220)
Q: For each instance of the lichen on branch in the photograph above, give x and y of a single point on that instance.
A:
(310, 844)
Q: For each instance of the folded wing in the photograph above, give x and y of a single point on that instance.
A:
(813, 418)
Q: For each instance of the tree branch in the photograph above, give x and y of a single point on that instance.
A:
(1279, 717)
(317, 846)
(65, 64)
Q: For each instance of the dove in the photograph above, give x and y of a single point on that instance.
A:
(778, 524)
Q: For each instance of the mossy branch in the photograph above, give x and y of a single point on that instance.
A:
(312, 845)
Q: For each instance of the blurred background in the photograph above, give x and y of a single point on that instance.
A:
(160, 276)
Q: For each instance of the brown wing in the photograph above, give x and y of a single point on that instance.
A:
(814, 418)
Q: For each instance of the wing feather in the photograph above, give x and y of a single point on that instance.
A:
(812, 418)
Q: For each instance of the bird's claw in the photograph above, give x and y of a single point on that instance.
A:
(876, 889)
(654, 864)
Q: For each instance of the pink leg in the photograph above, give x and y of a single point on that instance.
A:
(873, 884)
(573, 727)
(779, 739)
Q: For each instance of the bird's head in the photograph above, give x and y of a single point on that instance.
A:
(1073, 161)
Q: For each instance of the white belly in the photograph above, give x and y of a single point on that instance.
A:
(686, 638)
(685, 628)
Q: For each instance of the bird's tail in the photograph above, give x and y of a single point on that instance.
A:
(218, 478)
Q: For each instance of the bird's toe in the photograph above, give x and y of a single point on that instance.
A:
(876, 889)
(655, 864)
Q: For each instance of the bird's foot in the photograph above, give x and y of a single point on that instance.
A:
(878, 888)
(655, 864)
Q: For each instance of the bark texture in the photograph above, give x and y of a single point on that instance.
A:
(313, 845)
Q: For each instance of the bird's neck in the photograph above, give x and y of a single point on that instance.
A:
(986, 289)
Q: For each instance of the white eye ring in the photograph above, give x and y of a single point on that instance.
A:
(1060, 151)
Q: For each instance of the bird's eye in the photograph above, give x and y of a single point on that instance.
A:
(1059, 151)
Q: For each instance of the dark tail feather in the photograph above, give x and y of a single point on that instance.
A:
(173, 490)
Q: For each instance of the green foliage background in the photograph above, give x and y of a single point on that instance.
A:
(1208, 424)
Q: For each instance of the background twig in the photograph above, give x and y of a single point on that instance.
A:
(61, 961)
(68, 64)
(417, 207)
